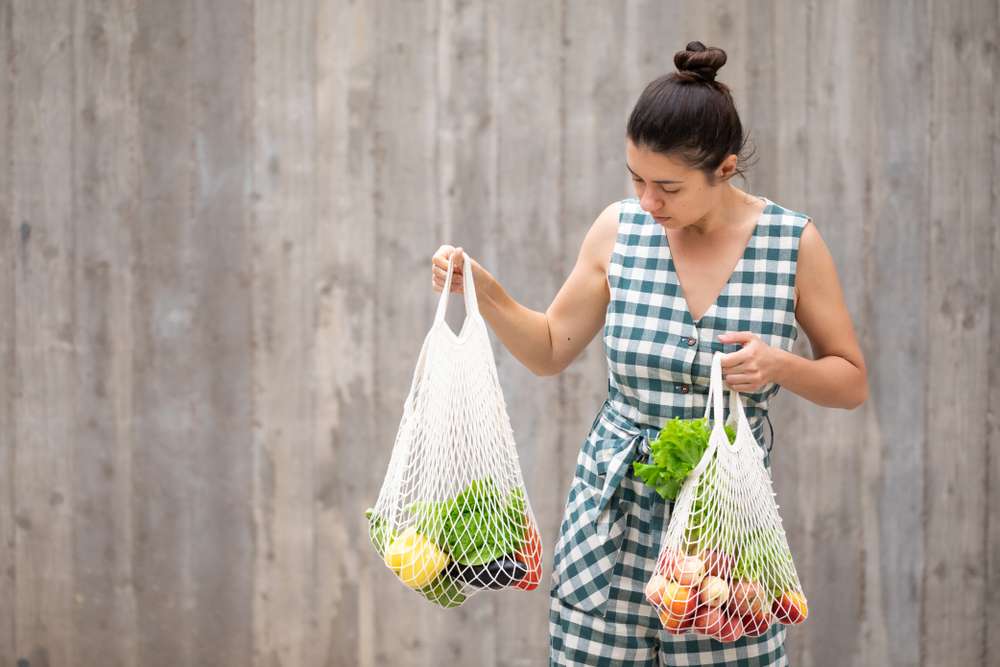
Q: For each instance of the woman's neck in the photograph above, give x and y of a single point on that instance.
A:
(730, 212)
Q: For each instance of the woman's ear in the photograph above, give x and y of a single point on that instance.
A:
(727, 169)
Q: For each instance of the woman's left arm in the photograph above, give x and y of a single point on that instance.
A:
(837, 376)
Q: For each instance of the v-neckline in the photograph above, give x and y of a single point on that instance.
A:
(672, 267)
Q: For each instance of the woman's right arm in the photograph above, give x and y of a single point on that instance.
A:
(546, 343)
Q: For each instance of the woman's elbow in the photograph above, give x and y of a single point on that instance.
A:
(858, 402)
(860, 395)
(548, 370)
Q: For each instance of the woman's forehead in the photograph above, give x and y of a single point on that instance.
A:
(654, 166)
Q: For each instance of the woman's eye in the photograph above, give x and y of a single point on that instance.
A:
(662, 189)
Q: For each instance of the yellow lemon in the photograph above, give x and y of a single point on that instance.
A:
(399, 547)
(415, 559)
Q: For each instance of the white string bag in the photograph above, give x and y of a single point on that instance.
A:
(724, 568)
(453, 517)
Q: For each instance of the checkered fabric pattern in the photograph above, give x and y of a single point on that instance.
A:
(659, 362)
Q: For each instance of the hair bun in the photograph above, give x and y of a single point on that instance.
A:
(700, 61)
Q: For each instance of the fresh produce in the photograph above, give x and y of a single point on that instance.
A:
(721, 583)
(703, 520)
(496, 574)
(665, 563)
(688, 570)
(714, 592)
(675, 625)
(675, 452)
(732, 628)
(444, 591)
(655, 588)
(791, 608)
(717, 563)
(759, 554)
(477, 526)
(415, 558)
(747, 597)
(378, 531)
(531, 555)
(678, 606)
(708, 621)
(756, 623)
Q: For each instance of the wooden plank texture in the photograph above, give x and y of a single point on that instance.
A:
(216, 225)
(283, 250)
(527, 223)
(106, 189)
(959, 268)
(9, 249)
(45, 410)
(348, 459)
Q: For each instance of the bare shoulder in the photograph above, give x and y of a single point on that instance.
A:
(600, 239)
(813, 258)
(822, 309)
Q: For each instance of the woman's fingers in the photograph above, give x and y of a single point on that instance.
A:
(439, 276)
(456, 279)
(441, 262)
(439, 268)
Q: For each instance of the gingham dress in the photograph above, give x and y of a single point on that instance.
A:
(659, 362)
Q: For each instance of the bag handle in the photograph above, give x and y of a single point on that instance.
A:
(471, 304)
(739, 415)
(714, 406)
(736, 411)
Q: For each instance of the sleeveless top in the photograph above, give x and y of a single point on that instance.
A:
(659, 358)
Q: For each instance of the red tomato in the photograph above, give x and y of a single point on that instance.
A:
(531, 555)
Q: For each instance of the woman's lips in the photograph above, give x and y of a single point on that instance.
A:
(659, 219)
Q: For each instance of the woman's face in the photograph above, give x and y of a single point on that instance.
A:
(673, 193)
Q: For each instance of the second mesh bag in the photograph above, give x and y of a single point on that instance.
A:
(452, 517)
(724, 568)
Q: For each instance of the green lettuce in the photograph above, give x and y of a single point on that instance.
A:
(676, 451)
(478, 526)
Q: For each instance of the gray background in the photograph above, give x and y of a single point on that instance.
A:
(217, 223)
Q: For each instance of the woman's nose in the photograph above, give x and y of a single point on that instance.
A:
(648, 203)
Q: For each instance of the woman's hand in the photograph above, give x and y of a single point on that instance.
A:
(749, 369)
(439, 270)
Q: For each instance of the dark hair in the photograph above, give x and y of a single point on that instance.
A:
(690, 114)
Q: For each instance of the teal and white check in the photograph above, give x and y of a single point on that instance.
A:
(659, 362)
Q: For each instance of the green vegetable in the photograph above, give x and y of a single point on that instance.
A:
(760, 553)
(478, 526)
(378, 531)
(703, 517)
(676, 452)
(444, 591)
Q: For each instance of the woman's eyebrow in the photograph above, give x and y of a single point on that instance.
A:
(637, 176)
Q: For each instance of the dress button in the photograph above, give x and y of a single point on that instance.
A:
(692, 341)
(685, 389)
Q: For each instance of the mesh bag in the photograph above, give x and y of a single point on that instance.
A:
(724, 568)
(452, 517)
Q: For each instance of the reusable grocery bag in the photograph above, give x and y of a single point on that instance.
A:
(724, 569)
(453, 517)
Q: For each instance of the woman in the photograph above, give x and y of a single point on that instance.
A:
(657, 274)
